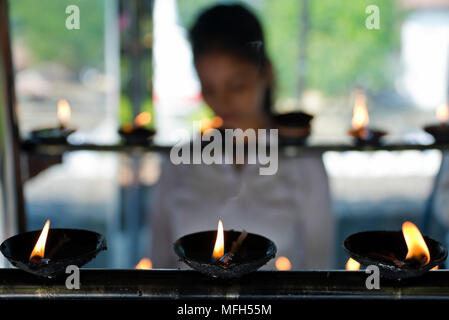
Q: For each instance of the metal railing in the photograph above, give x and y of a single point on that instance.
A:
(187, 284)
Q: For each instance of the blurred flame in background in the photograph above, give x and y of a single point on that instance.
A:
(145, 264)
(207, 123)
(64, 112)
(142, 119)
(443, 112)
(360, 118)
(283, 264)
(352, 265)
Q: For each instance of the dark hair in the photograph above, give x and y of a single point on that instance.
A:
(234, 29)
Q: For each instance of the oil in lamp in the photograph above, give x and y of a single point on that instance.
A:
(52, 250)
(398, 254)
(360, 119)
(59, 134)
(440, 132)
(224, 254)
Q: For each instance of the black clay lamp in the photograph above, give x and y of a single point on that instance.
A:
(225, 254)
(54, 250)
(398, 254)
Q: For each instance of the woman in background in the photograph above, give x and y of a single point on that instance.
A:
(291, 207)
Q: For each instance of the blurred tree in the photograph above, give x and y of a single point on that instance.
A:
(281, 21)
(41, 26)
(136, 68)
(189, 10)
(340, 51)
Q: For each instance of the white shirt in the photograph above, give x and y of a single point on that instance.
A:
(291, 207)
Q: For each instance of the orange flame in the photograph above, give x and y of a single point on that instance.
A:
(219, 243)
(360, 118)
(435, 268)
(443, 113)
(142, 119)
(352, 265)
(145, 264)
(417, 248)
(283, 264)
(207, 123)
(64, 112)
(39, 248)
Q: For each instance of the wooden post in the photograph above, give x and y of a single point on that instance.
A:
(12, 213)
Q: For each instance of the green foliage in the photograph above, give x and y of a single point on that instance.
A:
(189, 10)
(204, 111)
(342, 51)
(282, 28)
(126, 111)
(40, 25)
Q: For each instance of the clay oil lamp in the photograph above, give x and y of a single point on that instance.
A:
(224, 254)
(59, 134)
(47, 253)
(294, 127)
(440, 131)
(398, 254)
(363, 135)
(137, 133)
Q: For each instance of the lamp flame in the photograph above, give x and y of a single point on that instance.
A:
(219, 243)
(283, 264)
(360, 118)
(64, 112)
(443, 113)
(417, 248)
(142, 119)
(145, 264)
(39, 248)
(352, 265)
(207, 123)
